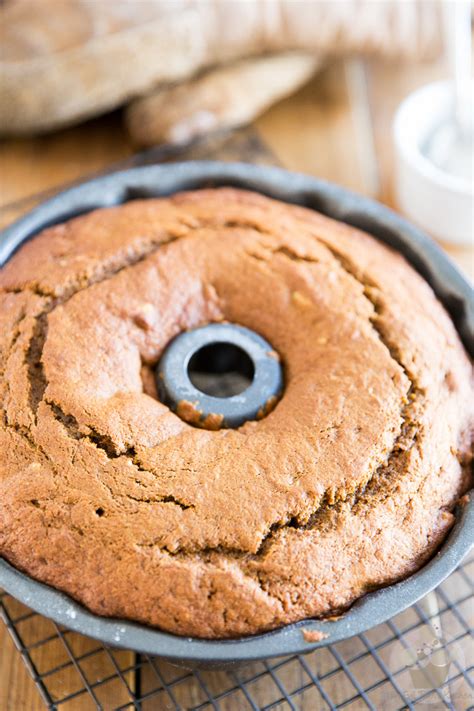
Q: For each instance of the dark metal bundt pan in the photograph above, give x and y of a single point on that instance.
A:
(451, 288)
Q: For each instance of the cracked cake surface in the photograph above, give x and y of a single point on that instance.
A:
(347, 485)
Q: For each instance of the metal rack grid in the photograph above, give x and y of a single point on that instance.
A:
(423, 657)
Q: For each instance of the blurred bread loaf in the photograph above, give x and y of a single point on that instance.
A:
(67, 60)
(223, 97)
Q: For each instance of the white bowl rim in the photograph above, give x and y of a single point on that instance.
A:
(406, 112)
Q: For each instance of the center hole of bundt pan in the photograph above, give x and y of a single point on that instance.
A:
(219, 375)
(221, 369)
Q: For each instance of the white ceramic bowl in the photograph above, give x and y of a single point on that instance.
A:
(440, 203)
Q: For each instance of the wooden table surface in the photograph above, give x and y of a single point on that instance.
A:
(326, 129)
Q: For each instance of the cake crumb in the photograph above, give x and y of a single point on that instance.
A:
(212, 421)
(188, 411)
(314, 635)
(300, 299)
(144, 316)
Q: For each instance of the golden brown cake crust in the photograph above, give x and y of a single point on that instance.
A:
(346, 485)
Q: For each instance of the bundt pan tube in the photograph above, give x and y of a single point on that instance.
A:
(452, 290)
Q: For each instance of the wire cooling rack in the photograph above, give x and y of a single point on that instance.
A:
(421, 658)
